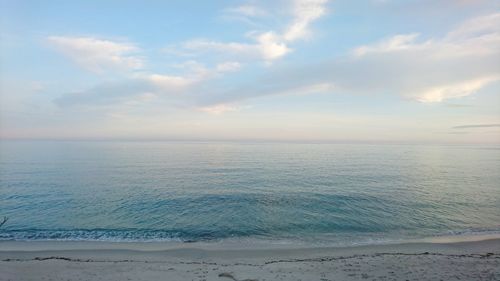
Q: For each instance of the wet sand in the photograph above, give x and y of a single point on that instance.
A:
(469, 260)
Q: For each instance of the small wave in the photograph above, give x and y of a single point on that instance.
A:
(332, 240)
(94, 235)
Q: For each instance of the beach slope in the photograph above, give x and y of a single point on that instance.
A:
(470, 260)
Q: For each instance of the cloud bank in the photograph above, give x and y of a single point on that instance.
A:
(428, 70)
(98, 55)
(432, 70)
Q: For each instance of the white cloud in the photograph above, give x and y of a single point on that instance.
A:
(456, 90)
(247, 13)
(316, 88)
(229, 66)
(304, 12)
(476, 27)
(144, 87)
(477, 36)
(395, 43)
(169, 81)
(269, 45)
(219, 109)
(233, 48)
(458, 64)
(98, 55)
(197, 74)
(307, 89)
(455, 65)
(246, 10)
(433, 70)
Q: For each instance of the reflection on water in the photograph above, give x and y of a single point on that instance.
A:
(205, 191)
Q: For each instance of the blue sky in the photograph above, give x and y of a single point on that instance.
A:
(299, 70)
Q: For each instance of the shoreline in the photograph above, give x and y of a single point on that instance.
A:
(229, 244)
(469, 260)
(39, 249)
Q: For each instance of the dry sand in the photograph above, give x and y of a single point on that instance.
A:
(471, 260)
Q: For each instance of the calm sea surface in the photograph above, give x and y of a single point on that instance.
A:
(318, 193)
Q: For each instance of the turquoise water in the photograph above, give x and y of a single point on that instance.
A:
(320, 193)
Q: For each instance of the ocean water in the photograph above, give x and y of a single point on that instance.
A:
(337, 194)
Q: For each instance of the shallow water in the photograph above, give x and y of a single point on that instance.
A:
(318, 193)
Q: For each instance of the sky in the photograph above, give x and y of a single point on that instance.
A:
(390, 71)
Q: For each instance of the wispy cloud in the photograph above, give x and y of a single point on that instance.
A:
(427, 70)
(109, 93)
(304, 13)
(268, 45)
(98, 55)
(473, 44)
(295, 69)
(477, 126)
(460, 63)
(147, 86)
(395, 43)
(455, 90)
(247, 10)
(219, 108)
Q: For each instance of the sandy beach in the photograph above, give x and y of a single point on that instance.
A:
(467, 260)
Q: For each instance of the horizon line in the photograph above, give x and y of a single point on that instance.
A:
(291, 141)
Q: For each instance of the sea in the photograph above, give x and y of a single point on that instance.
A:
(215, 192)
